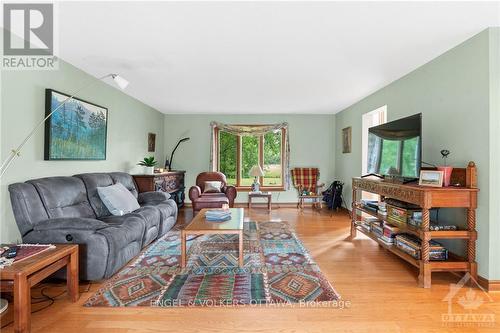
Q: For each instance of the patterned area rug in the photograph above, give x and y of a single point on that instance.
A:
(277, 269)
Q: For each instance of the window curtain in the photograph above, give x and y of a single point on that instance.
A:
(254, 130)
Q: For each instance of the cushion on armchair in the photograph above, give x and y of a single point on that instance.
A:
(212, 187)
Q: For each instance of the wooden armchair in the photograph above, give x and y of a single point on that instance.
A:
(305, 180)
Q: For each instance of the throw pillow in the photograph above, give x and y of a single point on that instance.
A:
(117, 199)
(212, 187)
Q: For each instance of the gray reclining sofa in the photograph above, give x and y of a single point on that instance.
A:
(69, 210)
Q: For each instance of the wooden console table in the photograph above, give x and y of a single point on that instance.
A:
(171, 182)
(427, 198)
(20, 277)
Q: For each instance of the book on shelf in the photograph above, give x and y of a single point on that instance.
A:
(412, 246)
(386, 240)
(365, 226)
(377, 230)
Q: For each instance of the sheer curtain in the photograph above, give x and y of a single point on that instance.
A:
(251, 130)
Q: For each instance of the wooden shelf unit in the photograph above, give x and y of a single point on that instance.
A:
(464, 196)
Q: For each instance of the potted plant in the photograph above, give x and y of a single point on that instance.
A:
(149, 165)
(446, 169)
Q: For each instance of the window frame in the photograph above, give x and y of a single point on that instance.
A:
(216, 158)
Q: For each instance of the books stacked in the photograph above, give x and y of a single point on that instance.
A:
(382, 208)
(412, 245)
(377, 229)
(367, 222)
(371, 205)
(389, 233)
(218, 215)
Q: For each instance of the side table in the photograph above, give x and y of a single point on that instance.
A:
(316, 201)
(266, 195)
(20, 277)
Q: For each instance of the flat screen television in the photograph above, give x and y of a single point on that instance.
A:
(395, 148)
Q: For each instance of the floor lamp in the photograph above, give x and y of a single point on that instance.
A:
(120, 82)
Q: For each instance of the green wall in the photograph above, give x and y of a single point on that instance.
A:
(311, 142)
(494, 250)
(23, 106)
(453, 94)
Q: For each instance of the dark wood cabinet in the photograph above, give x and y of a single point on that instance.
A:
(170, 181)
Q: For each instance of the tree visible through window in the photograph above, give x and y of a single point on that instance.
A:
(236, 155)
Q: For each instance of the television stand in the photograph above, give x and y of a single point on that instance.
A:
(374, 175)
(464, 196)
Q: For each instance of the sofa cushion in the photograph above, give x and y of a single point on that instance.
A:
(117, 199)
(148, 217)
(77, 223)
(152, 218)
(124, 241)
(92, 181)
(154, 197)
(168, 210)
(27, 206)
(126, 180)
(63, 197)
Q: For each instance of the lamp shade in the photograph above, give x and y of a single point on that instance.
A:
(256, 171)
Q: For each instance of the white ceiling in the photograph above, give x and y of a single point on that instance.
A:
(262, 57)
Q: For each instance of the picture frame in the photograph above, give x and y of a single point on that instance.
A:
(433, 178)
(346, 140)
(151, 142)
(77, 131)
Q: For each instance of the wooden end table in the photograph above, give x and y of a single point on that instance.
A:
(20, 277)
(266, 195)
(200, 226)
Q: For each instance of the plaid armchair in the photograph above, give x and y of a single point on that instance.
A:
(305, 180)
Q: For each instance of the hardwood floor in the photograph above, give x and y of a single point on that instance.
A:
(382, 291)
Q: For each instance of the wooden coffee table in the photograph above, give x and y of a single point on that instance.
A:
(20, 277)
(200, 226)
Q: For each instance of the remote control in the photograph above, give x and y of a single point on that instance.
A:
(10, 253)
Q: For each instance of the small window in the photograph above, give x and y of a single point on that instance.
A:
(370, 119)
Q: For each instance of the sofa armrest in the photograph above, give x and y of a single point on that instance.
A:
(76, 223)
(194, 193)
(154, 196)
(231, 194)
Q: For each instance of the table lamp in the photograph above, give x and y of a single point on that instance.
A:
(256, 171)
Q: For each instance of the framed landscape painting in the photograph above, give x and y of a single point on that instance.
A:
(77, 131)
